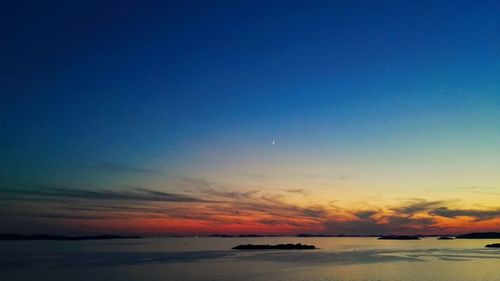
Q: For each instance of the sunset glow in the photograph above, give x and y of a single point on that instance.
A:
(194, 118)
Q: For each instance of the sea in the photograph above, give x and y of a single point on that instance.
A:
(211, 258)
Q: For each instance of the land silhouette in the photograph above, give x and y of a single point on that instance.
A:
(275, 247)
(399, 237)
(480, 235)
(20, 237)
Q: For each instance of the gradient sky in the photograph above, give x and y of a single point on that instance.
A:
(158, 117)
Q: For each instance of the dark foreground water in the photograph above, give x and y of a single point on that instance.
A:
(179, 259)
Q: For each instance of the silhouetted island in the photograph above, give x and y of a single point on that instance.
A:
(446, 238)
(332, 235)
(20, 237)
(275, 247)
(495, 245)
(399, 237)
(221, 235)
(313, 235)
(239, 235)
(480, 235)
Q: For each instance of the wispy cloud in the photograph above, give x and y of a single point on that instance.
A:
(231, 194)
(300, 191)
(64, 216)
(478, 215)
(214, 206)
(197, 182)
(124, 168)
(136, 194)
(382, 221)
(419, 205)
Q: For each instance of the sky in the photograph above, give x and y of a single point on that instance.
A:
(268, 117)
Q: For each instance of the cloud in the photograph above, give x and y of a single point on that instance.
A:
(64, 216)
(300, 191)
(419, 205)
(215, 207)
(366, 214)
(234, 195)
(117, 167)
(197, 182)
(137, 194)
(368, 224)
(400, 219)
(442, 209)
(478, 215)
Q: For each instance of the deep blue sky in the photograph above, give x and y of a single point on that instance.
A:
(80, 78)
(179, 86)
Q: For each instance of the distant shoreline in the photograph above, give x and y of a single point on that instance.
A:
(46, 237)
(473, 235)
(32, 237)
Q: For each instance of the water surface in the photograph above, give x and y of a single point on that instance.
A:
(199, 259)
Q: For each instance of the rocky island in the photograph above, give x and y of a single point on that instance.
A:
(399, 237)
(495, 245)
(480, 235)
(275, 247)
(313, 235)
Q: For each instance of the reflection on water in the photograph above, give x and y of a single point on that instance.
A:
(356, 259)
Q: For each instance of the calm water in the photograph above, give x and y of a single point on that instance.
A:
(353, 259)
